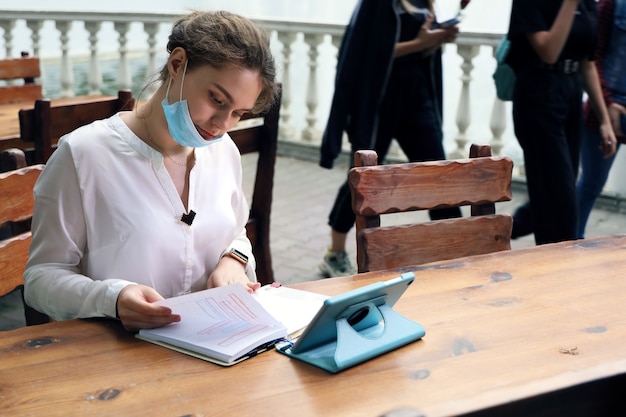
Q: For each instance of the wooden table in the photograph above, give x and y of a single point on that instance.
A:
(511, 333)
(10, 124)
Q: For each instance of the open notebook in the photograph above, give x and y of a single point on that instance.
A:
(226, 325)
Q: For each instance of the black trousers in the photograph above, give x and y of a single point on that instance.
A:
(409, 114)
(547, 114)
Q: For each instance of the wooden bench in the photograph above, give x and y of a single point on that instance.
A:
(19, 76)
(18, 88)
(16, 210)
(46, 122)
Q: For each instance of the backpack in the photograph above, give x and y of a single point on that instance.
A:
(504, 76)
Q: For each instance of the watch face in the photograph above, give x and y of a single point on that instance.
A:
(241, 257)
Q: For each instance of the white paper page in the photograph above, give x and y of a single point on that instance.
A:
(224, 319)
(294, 308)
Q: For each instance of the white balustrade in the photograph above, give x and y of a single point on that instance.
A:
(300, 48)
(305, 71)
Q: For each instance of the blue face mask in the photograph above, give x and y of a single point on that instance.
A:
(179, 121)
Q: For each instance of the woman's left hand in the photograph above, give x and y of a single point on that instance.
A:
(230, 271)
(608, 146)
(616, 112)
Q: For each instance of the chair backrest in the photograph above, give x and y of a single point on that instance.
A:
(382, 189)
(16, 208)
(259, 133)
(18, 76)
(44, 124)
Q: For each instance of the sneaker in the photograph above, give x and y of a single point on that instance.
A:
(336, 264)
(522, 222)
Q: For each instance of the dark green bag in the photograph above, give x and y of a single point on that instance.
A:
(504, 76)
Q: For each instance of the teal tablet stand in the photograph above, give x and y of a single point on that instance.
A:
(355, 345)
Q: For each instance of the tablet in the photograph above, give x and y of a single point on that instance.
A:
(356, 307)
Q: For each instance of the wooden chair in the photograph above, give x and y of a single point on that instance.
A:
(19, 76)
(16, 206)
(44, 124)
(250, 136)
(479, 181)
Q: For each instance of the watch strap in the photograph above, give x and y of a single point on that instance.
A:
(239, 256)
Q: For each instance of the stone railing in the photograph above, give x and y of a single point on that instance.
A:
(109, 51)
(305, 51)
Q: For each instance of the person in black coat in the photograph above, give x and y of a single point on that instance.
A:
(388, 86)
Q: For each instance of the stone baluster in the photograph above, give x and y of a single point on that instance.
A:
(497, 124)
(286, 129)
(7, 26)
(35, 35)
(95, 76)
(311, 133)
(151, 29)
(67, 74)
(463, 114)
(35, 26)
(124, 80)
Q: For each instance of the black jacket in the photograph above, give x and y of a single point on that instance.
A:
(363, 66)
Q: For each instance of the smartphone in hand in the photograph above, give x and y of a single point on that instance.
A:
(449, 23)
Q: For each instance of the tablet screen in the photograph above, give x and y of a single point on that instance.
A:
(357, 306)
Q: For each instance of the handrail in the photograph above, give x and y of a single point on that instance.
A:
(306, 57)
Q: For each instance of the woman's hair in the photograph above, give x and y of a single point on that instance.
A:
(221, 39)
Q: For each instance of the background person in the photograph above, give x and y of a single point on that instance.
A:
(552, 44)
(611, 63)
(114, 227)
(388, 85)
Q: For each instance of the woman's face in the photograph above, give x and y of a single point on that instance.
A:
(217, 98)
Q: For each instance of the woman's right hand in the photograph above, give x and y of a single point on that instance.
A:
(136, 308)
(435, 37)
(427, 40)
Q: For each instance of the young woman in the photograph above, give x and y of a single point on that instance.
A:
(388, 85)
(552, 44)
(148, 204)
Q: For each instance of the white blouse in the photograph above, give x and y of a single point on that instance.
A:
(107, 214)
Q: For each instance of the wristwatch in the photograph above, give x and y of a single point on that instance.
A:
(239, 256)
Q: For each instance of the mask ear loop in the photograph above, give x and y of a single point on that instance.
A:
(167, 92)
(182, 82)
